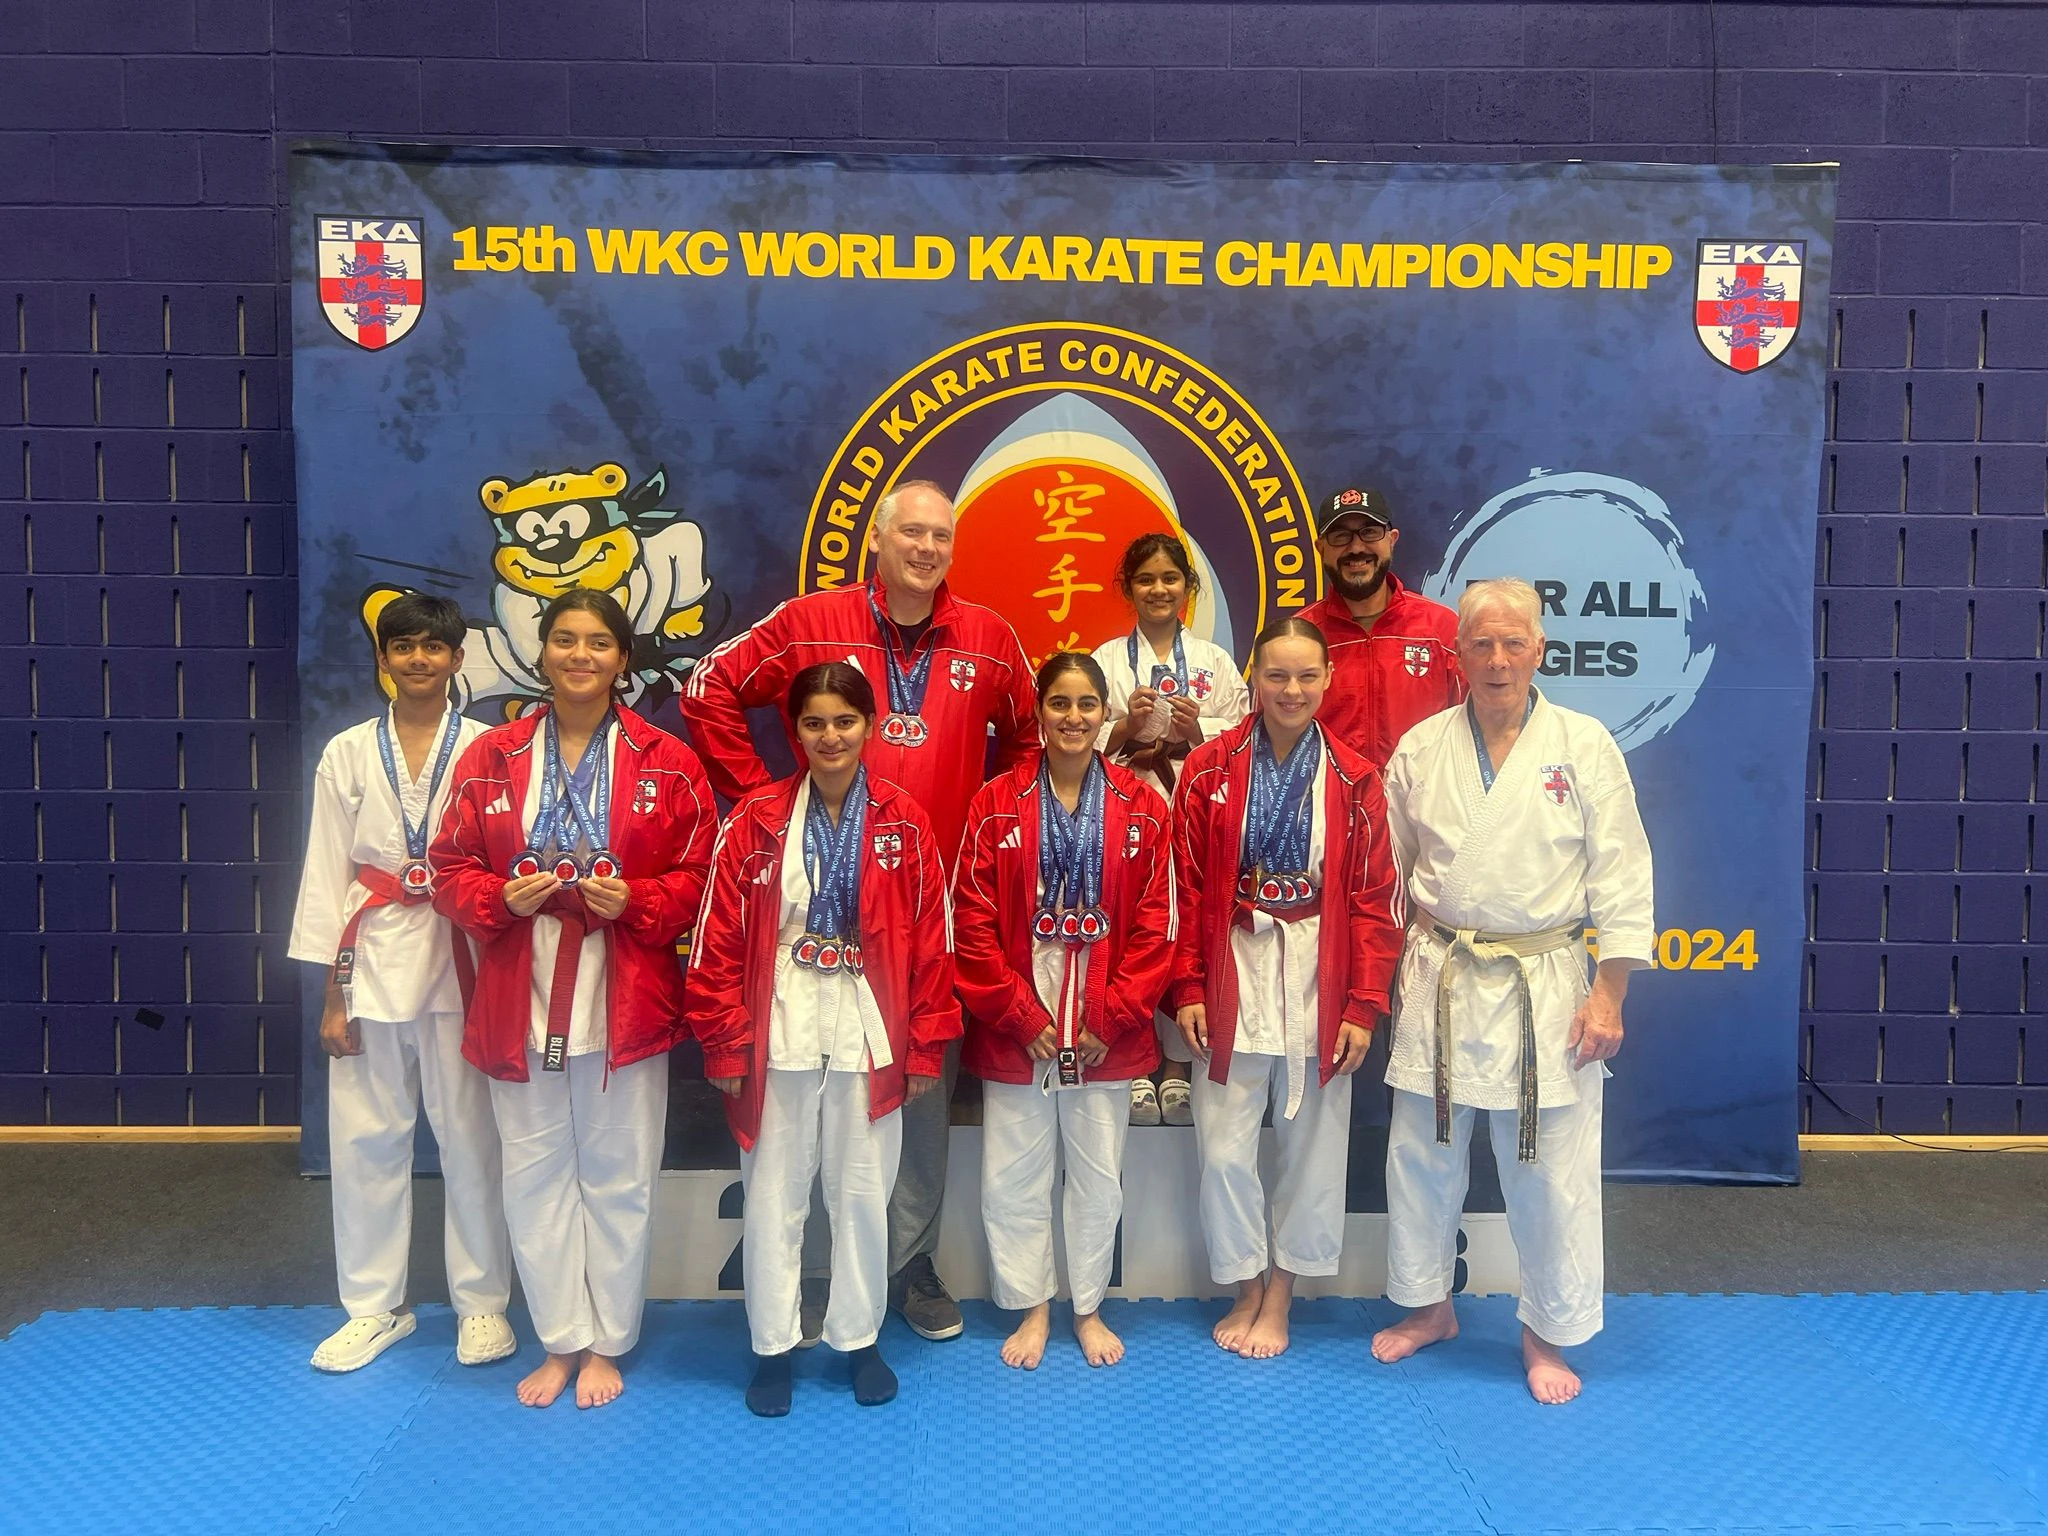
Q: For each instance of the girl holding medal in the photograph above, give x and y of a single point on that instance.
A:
(574, 855)
(821, 987)
(1285, 954)
(1063, 919)
(1169, 691)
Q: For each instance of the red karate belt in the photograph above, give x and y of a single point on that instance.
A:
(385, 891)
(577, 921)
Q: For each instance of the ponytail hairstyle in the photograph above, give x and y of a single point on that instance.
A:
(1291, 628)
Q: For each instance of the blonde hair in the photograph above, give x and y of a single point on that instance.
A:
(891, 504)
(1509, 592)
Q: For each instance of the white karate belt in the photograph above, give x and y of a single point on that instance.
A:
(1485, 948)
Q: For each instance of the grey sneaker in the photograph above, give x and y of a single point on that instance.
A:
(811, 1311)
(921, 1296)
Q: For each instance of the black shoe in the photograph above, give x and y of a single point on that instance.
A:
(768, 1392)
(811, 1312)
(921, 1296)
(873, 1382)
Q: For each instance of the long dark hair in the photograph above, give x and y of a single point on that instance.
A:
(836, 677)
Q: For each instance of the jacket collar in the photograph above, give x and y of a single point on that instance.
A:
(776, 811)
(1238, 743)
(1332, 605)
(635, 730)
(945, 607)
(1024, 777)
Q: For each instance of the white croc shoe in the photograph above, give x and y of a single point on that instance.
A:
(486, 1337)
(1144, 1102)
(1174, 1105)
(362, 1339)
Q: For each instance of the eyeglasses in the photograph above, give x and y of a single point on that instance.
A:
(1344, 538)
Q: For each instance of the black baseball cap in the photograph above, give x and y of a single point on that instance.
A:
(1354, 501)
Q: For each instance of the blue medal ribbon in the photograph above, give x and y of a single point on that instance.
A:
(562, 811)
(832, 860)
(1070, 860)
(1486, 774)
(1279, 815)
(1160, 671)
(907, 683)
(416, 836)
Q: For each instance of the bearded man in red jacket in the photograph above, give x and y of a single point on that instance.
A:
(1394, 653)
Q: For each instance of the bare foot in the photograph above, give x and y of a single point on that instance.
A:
(599, 1381)
(1098, 1345)
(1023, 1349)
(542, 1385)
(1230, 1332)
(1418, 1330)
(1268, 1335)
(1550, 1379)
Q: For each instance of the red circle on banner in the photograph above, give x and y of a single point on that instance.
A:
(1068, 523)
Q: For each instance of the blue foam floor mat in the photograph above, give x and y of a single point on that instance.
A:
(1820, 1415)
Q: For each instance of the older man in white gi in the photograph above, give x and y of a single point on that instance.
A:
(1516, 828)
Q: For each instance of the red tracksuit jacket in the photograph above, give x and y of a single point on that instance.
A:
(979, 678)
(995, 894)
(1391, 677)
(1361, 932)
(904, 942)
(662, 823)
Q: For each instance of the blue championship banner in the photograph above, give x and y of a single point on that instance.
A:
(688, 381)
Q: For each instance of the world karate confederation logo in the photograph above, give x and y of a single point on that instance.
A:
(373, 277)
(1066, 441)
(1746, 300)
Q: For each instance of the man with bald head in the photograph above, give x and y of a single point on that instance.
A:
(952, 674)
(1515, 824)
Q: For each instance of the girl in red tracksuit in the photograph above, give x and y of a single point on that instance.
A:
(1063, 911)
(573, 853)
(821, 986)
(1287, 947)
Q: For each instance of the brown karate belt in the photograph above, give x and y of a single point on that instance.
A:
(1484, 948)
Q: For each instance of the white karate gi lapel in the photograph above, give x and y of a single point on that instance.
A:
(1483, 814)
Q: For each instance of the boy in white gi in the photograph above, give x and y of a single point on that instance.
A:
(1516, 825)
(393, 1016)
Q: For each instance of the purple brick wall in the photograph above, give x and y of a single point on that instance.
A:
(149, 763)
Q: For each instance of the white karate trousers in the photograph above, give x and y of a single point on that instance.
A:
(1553, 1208)
(1022, 1128)
(1308, 1197)
(815, 1125)
(373, 1105)
(580, 1159)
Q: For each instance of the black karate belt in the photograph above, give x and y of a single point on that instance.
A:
(1484, 948)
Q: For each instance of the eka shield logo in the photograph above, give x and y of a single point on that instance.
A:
(373, 277)
(1746, 300)
(1063, 442)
